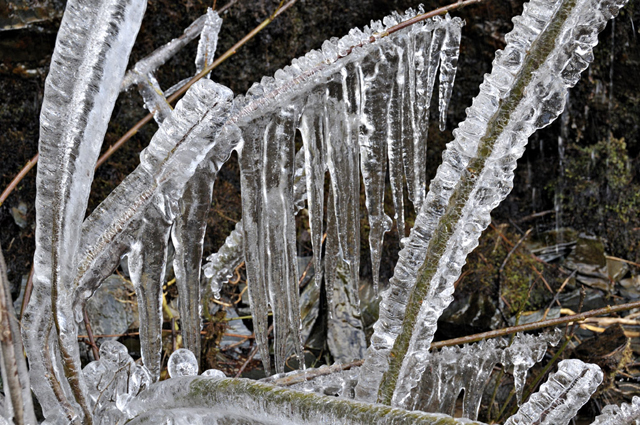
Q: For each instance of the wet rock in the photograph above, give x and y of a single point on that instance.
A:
(19, 215)
(552, 245)
(470, 313)
(16, 14)
(630, 287)
(109, 310)
(588, 259)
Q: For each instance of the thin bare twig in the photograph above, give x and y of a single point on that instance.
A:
(92, 341)
(11, 345)
(537, 325)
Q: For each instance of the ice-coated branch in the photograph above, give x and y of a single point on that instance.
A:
(193, 399)
(550, 45)
(149, 64)
(18, 404)
(625, 414)
(560, 398)
(151, 193)
(92, 50)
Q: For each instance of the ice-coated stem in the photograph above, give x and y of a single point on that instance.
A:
(560, 398)
(92, 50)
(551, 44)
(254, 402)
(15, 375)
(625, 414)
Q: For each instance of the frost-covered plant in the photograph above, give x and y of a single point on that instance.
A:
(359, 103)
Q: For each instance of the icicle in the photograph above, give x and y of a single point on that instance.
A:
(525, 91)
(74, 119)
(560, 398)
(208, 41)
(433, 60)
(154, 99)
(448, 65)
(486, 355)
(523, 353)
(187, 236)
(375, 74)
(188, 400)
(221, 265)
(332, 255)
(394, 136)
(312, 132)
(341, 109)
(147, 264)
(625, 414)
(421, 40)
(267, 177)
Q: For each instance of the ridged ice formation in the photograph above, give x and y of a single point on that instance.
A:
(189, 400)
(550, 45)
(360, 101)
(92, 50)
(625, 414)
(560, 398)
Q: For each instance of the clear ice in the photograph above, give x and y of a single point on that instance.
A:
(362, 101)
(93, 42)
(560, 398)
(625, 414)
(475, 175)
(182, 362)
(348, 119)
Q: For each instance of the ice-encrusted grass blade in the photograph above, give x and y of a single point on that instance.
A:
(551, 44)
(89, 61)
(560, 398)
(252, 402)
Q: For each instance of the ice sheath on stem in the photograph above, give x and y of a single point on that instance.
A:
(93, 42)
(550, 45)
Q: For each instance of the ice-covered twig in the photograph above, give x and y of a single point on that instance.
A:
(92, 50)
(560, 398)
(625, 414)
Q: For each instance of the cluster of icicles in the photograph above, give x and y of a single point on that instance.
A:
(361, 104)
